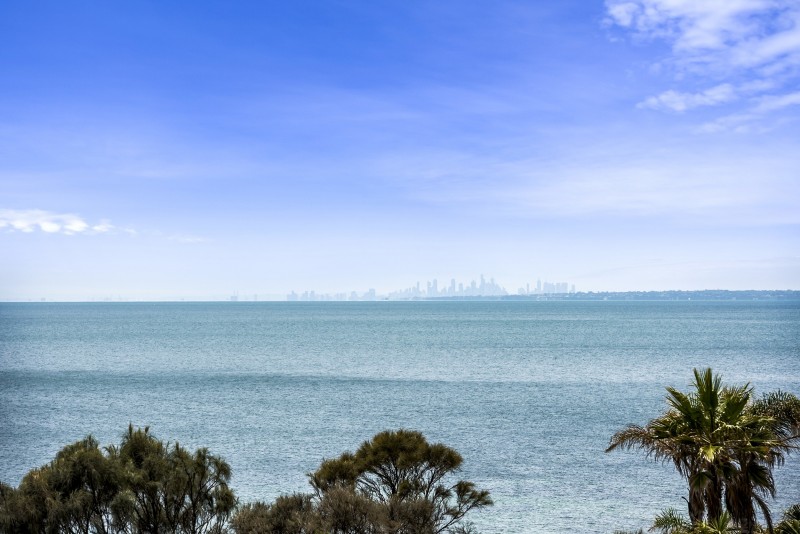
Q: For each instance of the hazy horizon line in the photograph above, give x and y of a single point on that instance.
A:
(384, 298)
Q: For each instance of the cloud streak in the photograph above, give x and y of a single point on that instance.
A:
(48, 222)
(186, 239)
(29, 221)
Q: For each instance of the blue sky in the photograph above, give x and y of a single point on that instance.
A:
(156, 150)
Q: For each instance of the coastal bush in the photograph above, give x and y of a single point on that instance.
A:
(406, 476)
(170, 487)
(142, 486)
(725, 444)
(289, 514)
(396, 483)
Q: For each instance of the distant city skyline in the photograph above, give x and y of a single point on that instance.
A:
(480, 287)
(153, 151)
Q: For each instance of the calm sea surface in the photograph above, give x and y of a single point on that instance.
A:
(529, 393)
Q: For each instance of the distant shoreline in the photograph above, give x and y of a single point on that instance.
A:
(709, 295)
(676, 295)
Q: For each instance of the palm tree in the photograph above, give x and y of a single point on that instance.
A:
(661, 440)
(723, 444)
(691, 435)
(701, 425)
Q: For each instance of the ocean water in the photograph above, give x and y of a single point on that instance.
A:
(528, 392)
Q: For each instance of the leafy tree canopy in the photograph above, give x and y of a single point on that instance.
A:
(142, 486)
(409, 476)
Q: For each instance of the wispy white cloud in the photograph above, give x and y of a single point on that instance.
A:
(702, 194)
(736, 32)
(778, 102)
(676, 101)
(753, 46)
(716, 184)
(28, 221)
(752, 118)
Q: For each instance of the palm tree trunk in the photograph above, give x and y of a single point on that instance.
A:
(696, 506)
(714, 495)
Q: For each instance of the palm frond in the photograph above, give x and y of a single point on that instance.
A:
(670, 521)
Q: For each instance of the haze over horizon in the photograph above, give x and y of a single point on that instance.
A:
(151, 150)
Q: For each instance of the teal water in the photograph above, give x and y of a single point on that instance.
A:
(529, 393)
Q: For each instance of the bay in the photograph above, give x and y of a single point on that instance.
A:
(528, 392)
